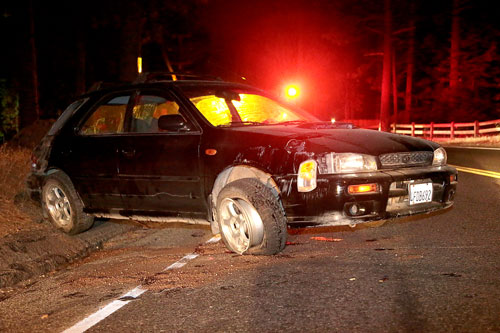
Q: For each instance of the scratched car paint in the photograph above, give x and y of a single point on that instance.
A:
(228, 155)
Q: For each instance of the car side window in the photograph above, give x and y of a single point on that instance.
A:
(148, 109)
(107, 118)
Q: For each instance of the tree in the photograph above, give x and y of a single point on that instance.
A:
(410, 65)
(386, 71)
(34, 61)
(455, 47)
(9, 111)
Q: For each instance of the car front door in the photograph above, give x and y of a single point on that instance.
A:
(159, 170)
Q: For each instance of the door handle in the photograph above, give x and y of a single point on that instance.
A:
(129, 153)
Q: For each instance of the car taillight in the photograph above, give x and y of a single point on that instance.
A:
(34, 161)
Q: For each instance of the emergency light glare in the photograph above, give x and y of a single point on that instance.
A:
(292, 91)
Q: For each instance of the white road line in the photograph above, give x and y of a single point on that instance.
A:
(214, 239)
(181, 262)
(112, 307)
(131, 295)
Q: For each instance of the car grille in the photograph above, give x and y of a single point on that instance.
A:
(407, 159)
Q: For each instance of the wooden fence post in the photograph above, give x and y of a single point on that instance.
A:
(476, 129)
(432, 130)
(452, 130)
(413, 129)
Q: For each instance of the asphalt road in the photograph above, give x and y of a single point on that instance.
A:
(436, 273)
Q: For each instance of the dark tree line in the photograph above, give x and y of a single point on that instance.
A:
(398, 61)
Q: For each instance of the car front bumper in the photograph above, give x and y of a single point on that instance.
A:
(331, 203)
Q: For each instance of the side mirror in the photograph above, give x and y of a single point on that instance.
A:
(173, 123)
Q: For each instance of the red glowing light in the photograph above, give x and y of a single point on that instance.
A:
(292, 91)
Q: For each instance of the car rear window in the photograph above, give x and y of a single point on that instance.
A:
(63, 118)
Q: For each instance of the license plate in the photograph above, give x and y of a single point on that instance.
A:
(420, 193)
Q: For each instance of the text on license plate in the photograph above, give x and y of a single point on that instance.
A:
(420, 193)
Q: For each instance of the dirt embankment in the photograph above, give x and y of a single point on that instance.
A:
(29, 246)
(31, 135)
(18, 212)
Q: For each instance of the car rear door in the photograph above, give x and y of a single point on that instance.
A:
(90, 156)
(159, 170)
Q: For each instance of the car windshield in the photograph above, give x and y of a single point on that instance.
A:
(235, 107)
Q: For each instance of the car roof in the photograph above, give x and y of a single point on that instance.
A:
(102, 88)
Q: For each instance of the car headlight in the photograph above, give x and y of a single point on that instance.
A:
(347, 163)
(439, 156)
(306, 178)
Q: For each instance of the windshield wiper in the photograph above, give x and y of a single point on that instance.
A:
(328, 125)
(292, 122)
(241, 123)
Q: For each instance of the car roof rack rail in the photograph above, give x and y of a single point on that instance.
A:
(100, 85)
(172, 76)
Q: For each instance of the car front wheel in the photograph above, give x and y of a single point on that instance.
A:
(62, 205)
(251, 218)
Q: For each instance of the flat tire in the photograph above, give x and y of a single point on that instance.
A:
(251, 218)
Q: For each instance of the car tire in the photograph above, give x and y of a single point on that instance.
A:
(251, 218)
(62, 205)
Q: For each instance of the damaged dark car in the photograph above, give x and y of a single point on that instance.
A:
(231, 156)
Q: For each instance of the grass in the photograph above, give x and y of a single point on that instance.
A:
(18, 211)
(14, 166)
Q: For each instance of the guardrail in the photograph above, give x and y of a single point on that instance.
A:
(451, 130)
(437, 131)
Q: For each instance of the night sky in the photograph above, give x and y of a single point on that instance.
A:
(332, 49)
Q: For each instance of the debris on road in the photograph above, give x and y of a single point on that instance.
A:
(452, 274)
(326, 239)
(385, 278)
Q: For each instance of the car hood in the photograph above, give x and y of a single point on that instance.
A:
(319, 140)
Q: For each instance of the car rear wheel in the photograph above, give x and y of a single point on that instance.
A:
(62, 205)
(251, 218)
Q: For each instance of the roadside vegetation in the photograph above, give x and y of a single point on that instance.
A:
(18, 211)
(15, 164)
